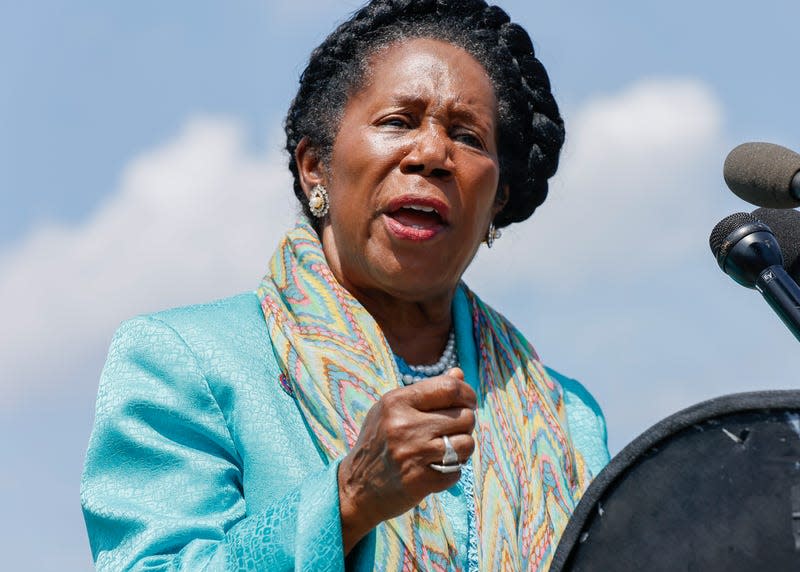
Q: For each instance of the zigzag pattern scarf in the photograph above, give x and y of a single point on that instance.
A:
(527, 476)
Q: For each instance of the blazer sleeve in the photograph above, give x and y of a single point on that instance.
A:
(162, 483)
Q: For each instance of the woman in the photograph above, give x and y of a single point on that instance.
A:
(286, 428)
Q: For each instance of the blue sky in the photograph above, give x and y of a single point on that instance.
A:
(140, 168)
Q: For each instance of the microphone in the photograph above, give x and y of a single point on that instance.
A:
(747, 251)
(764, 174)
(785, 225)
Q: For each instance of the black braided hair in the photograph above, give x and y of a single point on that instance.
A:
(530, 130)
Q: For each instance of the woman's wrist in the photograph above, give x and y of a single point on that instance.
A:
(356, 521)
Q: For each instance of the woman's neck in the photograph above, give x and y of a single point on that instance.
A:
(415, 315)
(416, 331)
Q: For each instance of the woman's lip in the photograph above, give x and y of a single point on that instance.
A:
(406, 232)
(410, 200)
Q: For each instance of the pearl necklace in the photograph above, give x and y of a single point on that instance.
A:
(417, 373)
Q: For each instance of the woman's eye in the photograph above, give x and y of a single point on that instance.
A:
(469, 139)
(399, 122)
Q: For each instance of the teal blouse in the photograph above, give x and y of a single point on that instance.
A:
(200, 460)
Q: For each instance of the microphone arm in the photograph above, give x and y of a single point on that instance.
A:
(783, 295)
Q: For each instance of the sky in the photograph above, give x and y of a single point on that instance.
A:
(141, 168)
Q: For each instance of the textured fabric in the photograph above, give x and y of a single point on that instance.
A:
(171, 462)
(524, 453)
(191, 400)
(528, 477)
(584, 418)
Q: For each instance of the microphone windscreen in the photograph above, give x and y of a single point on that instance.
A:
(725, 227)
(785, 225)
(762, 173)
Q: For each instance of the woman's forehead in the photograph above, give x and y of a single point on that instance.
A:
(425, 69)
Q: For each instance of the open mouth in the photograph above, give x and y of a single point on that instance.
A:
(416, 220)
(417, 216)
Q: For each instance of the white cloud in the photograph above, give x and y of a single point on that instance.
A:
(197, 218)
(612, 279)
(630, 186)
(192, 220)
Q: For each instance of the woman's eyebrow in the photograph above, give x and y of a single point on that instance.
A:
(467, 113)
(410, 99)
(460, 109)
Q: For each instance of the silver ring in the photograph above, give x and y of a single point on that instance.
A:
(446, 468)
(450, 455)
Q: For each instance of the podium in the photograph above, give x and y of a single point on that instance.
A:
(715, 487)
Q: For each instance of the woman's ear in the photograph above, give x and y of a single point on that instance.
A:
(501, 199)
(309, 166)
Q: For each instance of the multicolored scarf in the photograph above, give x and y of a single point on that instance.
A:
(527, 476)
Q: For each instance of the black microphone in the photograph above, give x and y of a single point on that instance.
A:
(748, 252)
(785, 225)
(764, 174)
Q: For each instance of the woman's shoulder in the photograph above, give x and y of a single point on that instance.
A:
(575, 393)
(224, 313)
(215, 333)
(587, 424)
(218, 319)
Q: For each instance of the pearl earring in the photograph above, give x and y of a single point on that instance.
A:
(492, 234)
(318, 201)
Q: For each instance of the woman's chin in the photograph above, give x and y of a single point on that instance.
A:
(413, 266)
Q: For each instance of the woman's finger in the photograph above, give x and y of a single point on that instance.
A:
(450, 421)
(442, 392)
(463, 444)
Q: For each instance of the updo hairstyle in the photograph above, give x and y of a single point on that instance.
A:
(530, 130)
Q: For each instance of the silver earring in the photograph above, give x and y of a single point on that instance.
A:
(492, 234)
(318, 201)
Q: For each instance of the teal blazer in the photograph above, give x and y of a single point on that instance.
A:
(200, 460)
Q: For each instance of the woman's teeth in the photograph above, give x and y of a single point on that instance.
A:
(421, 208)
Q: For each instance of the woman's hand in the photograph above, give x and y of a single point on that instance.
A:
(388, 472)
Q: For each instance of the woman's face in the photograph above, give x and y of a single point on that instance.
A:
(413, 176)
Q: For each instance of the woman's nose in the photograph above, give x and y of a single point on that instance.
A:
(430, 154)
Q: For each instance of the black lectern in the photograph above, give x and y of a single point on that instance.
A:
(715, 487)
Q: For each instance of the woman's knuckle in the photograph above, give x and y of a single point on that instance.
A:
(396, 426)
(389, 398)
(469, 418)
(449, 385)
